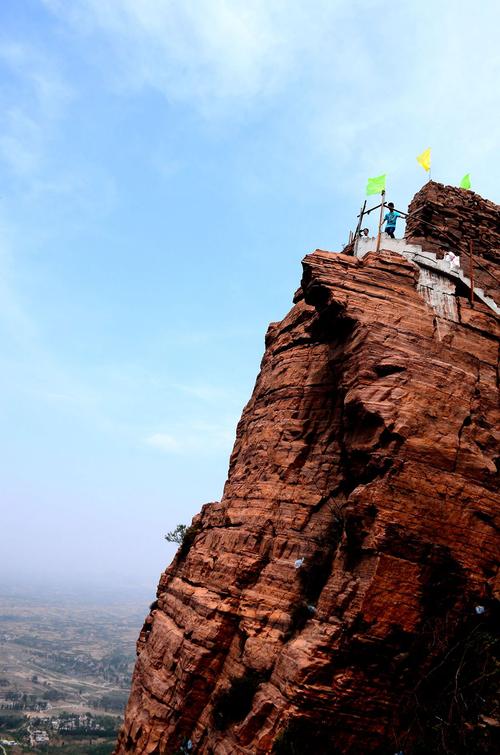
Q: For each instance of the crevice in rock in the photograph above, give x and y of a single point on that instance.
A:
(383, 370)
(315, 571)
(487, 519)
(466, 422)
(368, 447)
(468, 418)
(250, 575)
(443, 581)
(293, 345)
(333, 325)
(234, 704)
(357, 526)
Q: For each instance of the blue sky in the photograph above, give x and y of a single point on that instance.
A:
(164, 168)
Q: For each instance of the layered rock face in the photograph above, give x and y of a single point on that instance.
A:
(340, 597)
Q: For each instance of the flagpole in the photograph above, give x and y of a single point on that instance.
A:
(358, 229)
(380, 220)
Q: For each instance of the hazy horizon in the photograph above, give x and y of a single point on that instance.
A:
(57, 591)
(165, 167)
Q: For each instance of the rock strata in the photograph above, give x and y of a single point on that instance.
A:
(329, 602)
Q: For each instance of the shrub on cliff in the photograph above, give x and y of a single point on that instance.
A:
(177, 535)
(184, 536)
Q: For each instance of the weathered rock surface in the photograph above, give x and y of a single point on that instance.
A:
(369, 449)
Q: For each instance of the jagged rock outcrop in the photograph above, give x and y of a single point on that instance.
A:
(340, 597)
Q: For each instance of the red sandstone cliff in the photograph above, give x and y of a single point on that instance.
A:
(368, 450)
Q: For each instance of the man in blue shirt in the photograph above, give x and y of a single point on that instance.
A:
(390, 218)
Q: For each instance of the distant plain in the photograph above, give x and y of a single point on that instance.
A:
(61, 655)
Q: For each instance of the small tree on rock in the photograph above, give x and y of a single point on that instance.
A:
(177, 535)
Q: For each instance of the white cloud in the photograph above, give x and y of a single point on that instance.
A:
(209, 51)
(196, 438)
(352, 88)
(208, 393)
(163, 442)
(36, 100)
(33, 99)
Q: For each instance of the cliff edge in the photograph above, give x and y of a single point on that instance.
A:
(341, 597)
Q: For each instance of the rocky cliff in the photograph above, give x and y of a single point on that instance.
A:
(341, 597)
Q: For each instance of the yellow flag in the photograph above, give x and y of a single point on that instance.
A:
(425, 159)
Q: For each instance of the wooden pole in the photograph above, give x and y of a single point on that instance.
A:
(380, 221)
(362, 212)
(471, 271)
(358, 229)
(361, 215)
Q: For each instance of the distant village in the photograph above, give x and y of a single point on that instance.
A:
(42, 730)
(56, 729)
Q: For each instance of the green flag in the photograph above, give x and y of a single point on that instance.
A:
(465, 182)
(375, 185)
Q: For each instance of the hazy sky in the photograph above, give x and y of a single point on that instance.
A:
(165, 165)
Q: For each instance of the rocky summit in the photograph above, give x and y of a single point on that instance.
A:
(342, 596)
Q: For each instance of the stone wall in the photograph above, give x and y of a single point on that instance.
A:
(446, 217)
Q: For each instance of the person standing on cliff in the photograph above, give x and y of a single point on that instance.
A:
(390, 218)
